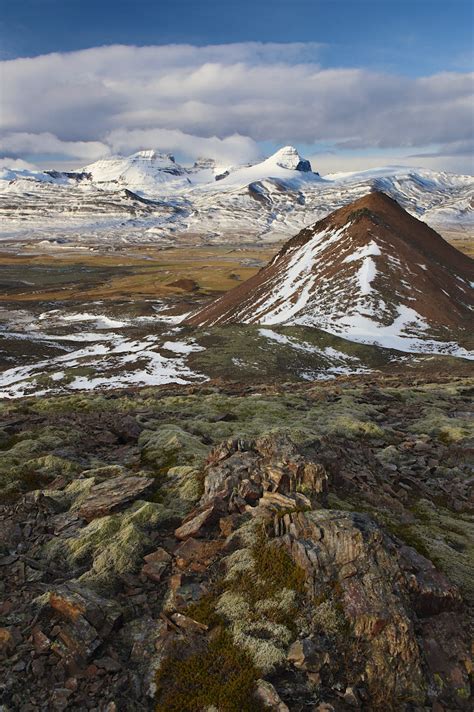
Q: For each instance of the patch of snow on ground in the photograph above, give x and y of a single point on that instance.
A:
(182, 347)
(152, 368)
(368, 269)
(395, 335)
(100, 321)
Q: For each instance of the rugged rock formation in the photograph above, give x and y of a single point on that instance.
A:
(283, 571)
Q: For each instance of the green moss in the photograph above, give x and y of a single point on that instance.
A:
(439, 424)
(204, 611)
(261, 595)
(170, 446)
(409, 535)
(263, 569)
(178, 489)
(222, 676)
(111, 545)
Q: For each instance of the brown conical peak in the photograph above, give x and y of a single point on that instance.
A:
(393, 223)
(375, 206)
(376, 200)
(419, 271)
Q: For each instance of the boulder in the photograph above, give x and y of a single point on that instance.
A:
(114, 494)
(196, 524)
(89, 620)
(325, 543)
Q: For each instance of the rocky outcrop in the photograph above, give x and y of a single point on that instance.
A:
(123, 588)
(348, 561)
(242, 472)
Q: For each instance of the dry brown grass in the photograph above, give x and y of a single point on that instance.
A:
(143, 272)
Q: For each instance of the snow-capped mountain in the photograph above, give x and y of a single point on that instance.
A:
(149, 196)
(145, 172)
(369, 272)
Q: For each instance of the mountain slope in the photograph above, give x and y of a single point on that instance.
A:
(370, 272)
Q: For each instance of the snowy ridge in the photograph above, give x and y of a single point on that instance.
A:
(270, 200)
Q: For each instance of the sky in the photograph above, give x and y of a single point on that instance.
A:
(352, 84)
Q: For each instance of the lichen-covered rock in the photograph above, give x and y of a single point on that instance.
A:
(349, 560)
(247, 469)
(111, 495)
(108, 546)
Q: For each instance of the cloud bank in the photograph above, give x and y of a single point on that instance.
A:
(222, 101)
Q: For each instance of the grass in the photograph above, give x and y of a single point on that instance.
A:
(275, 571)
(221, 676)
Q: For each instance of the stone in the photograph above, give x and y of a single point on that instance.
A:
(154, 572)
(227, 524)
(351, 698)
(304, 655)
(7, 643)
(108, 663)
(269, 697)
(156, 564)
(188, 624)
(197, 554)
(41, 641)
(250, 491)
(114, 494)
(90, 619)
(60, 698)
(194, 526)
(127, 429)
(160, 556)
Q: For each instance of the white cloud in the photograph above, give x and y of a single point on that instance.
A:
(225, 98)
(18, 143)
(17, 164)
(227, 150)
(333, 163)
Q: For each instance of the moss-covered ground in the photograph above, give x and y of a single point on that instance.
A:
(411, 436)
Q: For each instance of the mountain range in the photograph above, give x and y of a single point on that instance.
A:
(149, 196)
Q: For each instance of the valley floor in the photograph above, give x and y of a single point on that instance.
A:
(81, 320)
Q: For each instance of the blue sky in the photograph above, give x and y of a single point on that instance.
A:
(409, 36)
(407, 42)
